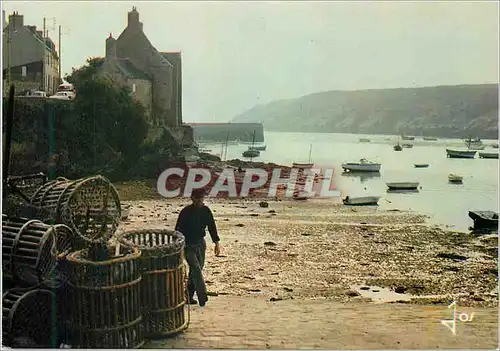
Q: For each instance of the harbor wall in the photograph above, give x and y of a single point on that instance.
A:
(220, 131)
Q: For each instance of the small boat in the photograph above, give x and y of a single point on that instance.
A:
(398, 147)
(403, 185)
(421, 165)
(495, 146)
(302, 165)
(405, 137)
(430, 138)
(407, 146)
(361, 201)
(125, 211)
(259, 147)
(474, 144)
(251, 153)
(461, 154)
(453, 178)
(484, 219)
(364, 140)
(205, 150)
(488, 155)
(362, 166)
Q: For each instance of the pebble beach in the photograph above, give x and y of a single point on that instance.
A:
(322, 249)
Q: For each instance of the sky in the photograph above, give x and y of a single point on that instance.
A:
(240, 54)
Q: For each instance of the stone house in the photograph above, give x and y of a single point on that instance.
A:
(30, 59)
(154, 77)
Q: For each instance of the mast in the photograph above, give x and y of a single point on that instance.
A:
(225, 151)
(310, 151)
(253, 142)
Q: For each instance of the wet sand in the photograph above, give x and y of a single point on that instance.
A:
(320, 249)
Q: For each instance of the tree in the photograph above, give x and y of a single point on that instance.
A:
(108, 126)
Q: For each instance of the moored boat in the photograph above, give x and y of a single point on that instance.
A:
(302, 165)
(474, 144)
(258, 147)
(495, 146)
(484, 219)
(407, 146)
(251, 153)
(406, 137)
(361, 201)
(421, 165)
(403, 185)
(362, 166)
(461, 153)
(364, 140)
(454, 178)
(488, 155)
(430, 138)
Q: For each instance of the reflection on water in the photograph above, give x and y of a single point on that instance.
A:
(446, 203)
(363, 176)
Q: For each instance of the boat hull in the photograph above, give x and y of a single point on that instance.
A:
(407, 137)
(360, 167)
(421, 165)
(460, 154)
(403, 186)
(488, 155)
(302, 165)
(258, 148)
(251, 153)
(484, 219)
(362, 201)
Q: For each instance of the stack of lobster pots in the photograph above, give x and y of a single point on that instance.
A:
(108, 296)
(163, 286)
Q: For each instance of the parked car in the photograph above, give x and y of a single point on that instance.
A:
(63, 95)
(33, 94)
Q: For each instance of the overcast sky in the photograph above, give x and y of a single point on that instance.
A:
(239, 54)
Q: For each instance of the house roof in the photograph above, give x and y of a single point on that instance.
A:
(174, 58)
(130, 70)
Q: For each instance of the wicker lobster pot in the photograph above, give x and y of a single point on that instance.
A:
(32, 251)
(29, 315)
(104, 307)
(89, 206)
(163, 292)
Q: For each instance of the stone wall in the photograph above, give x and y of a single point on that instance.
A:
(233, 131)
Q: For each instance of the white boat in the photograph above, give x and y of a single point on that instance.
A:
(474, 144)
(258, 147)
(362, 166)
(403, 185)
(430, 138)
(453, 178)
(361, 201)
(364, 140)
(304, 165)
(488, 154)
(461, 153)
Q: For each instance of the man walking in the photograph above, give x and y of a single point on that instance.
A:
(192, 222)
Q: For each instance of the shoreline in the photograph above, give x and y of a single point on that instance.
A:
(320, 249)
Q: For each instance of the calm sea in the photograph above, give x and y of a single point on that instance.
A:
(447, 204)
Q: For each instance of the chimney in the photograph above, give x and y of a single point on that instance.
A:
(16, 21)
(110, 47)
(133, 18)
